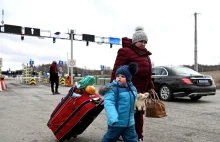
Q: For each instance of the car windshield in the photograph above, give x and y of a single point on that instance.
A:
(185, 71)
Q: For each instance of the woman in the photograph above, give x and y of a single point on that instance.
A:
(134, 50)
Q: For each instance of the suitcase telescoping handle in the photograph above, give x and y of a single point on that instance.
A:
(97, 101)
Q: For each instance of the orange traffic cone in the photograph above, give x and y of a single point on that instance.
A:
(68, 81)
(0, 86)
(3, 85)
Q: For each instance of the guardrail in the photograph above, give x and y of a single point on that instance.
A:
(99, 81)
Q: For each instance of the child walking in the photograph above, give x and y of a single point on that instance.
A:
(119, 100)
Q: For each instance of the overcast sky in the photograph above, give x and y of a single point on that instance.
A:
(169, 25)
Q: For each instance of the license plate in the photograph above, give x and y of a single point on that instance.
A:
(203, 81)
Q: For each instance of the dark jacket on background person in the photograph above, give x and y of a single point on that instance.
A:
(53, 72)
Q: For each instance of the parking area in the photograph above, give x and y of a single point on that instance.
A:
(25, 110)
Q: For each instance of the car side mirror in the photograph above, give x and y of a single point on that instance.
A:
(153, 73)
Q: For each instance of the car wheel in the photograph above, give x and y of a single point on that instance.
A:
(196, 98)
(165, 93)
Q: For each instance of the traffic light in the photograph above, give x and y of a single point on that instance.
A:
(54, 40)
(55, 35)
(22, 37)
(110, 45)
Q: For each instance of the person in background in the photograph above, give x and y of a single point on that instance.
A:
(54, 78)
(134, 50)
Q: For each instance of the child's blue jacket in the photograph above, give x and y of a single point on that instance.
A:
(119, 104)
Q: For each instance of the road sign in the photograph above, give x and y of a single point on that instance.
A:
(114, 40)
(31, 62)
(60, 63)
(72, 63)
(60, 69)
(12, 29)
(0, 62)
(102, 67)
(87, 37)
(45, 75)
(32, 31)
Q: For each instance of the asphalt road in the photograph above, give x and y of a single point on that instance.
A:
(25, 110)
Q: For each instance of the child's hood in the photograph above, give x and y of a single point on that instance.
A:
(109, 86)
(103, 90)
(106, 88)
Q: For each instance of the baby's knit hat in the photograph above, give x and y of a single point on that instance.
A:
(127, 70)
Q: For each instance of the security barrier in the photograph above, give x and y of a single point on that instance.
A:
(26, 74)
(99, 81)
(62, 81)
(40, 76)
(102, 81)
(45, 80)
(32, 81)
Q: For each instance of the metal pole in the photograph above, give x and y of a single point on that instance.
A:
(71, 36)
(196, 63)
(2, 17)
(68, 71)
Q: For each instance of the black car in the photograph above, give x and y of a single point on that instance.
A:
(180, 81)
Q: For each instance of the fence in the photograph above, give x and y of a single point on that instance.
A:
(99, 81)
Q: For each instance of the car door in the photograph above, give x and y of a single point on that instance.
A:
(157, 76)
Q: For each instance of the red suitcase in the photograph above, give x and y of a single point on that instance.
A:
(74, 114)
